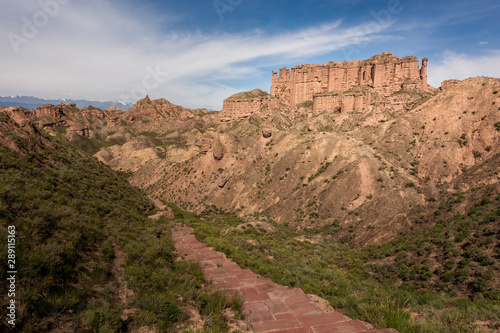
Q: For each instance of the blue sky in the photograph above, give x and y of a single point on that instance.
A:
(196, 53)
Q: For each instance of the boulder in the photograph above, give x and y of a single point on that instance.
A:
(266, 132)
(311, 126)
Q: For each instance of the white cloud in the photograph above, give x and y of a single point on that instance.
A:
(461, 66)
(483, 43)
(97, 51)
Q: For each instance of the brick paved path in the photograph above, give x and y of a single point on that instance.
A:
(268, 307)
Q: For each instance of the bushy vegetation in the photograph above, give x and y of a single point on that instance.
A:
(438, 279)
(456, 257)
(72, 214)
(320, 170)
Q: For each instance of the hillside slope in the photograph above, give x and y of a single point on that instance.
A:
(330, 170)
(87, 256)
(368, 170)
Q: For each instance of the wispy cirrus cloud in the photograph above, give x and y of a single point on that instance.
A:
(96, 50)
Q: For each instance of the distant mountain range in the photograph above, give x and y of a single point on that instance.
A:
(31, 102)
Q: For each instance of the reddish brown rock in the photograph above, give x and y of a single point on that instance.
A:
(219, 150)
(83, 131)
(311, 126)
(266, 132)
(50, 111)
(206, 143)
(280, 85)
(113, 121)
(447, 84)
(93, 113)
(156, 109)
(21, 117)
(423, 73)
(19, 133)
(114, 109)
(331, 87)
(243, 105)
(160, 109)
(341, 102)
(223, 181)
(384, 73)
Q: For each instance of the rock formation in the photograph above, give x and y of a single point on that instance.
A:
(365, 169)
(155, 109)
(423, 73)
(114, 109)
(447, 84)
(219, 150)
(92, 112)
(19, 133)
(267, 132)
(50, 110)
(243, 105)
(206, 143)
(159, 109)
(384, 73)
(21, 117)
(83, 131)
(334, 86)
(337, 101)
(311, 126)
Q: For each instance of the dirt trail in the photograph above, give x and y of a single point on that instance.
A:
(123, 292)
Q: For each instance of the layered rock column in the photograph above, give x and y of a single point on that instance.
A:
(49, 110)
(332, 86)
(423, 73)
(384, 73)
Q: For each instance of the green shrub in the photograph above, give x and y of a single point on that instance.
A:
(320, 171)
(101, 316)
(236, 302)
(164, 310)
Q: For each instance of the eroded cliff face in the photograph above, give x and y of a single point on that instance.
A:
(243, 105)
(384, 72)
(49, 110)
(17, 127)
(447, 84)
(334, 86)
(371, 176)
(156, 109)
(309, 166)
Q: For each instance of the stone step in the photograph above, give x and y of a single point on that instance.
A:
(268, 307)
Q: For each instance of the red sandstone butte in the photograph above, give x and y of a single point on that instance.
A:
(331, 87)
